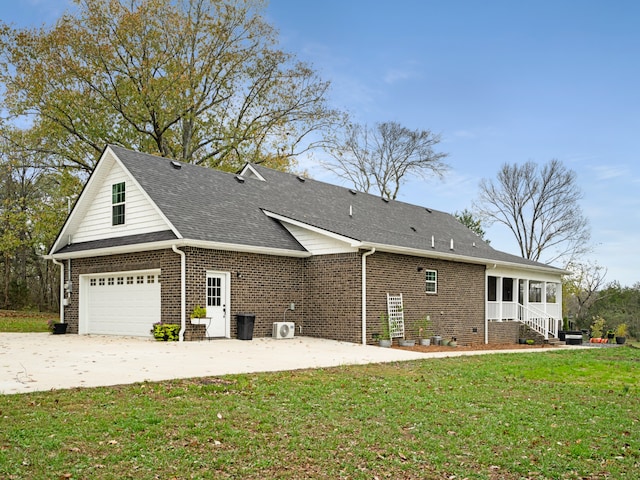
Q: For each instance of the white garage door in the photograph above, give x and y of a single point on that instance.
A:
(126, 303)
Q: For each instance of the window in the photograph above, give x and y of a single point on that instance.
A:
(507, 289)
(101, 281)
(151, 278)
(535, 292)
(120, 281)
(92, 282)
(492, 289)
(552, 292)
(214, 291)
(431, 279)
(117, 203)
(129, 280)
(110, 281)
(140, 279)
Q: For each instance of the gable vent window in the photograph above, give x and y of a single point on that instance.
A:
(117, 203)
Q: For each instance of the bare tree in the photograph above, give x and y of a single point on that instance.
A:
(540, 205)
(379, 159)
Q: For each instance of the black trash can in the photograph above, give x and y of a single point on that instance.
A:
(245, 325)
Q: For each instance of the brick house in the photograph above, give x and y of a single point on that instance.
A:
(150, 238)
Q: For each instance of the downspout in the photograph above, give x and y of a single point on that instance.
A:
(183, 293)
(364, 294)
(61, 288)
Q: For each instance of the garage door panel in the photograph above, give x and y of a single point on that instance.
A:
(122, 304)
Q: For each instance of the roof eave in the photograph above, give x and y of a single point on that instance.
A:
(461, 258)
(167, 244)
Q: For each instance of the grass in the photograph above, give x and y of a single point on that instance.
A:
(562, 414)
(25, 321)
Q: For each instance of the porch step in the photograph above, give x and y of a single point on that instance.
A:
(555, 342)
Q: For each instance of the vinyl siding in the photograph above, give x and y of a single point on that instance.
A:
(316, 243)
(140, 215)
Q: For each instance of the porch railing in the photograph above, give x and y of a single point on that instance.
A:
(544, 322)
(538, 320)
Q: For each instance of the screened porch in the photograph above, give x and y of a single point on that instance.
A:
(536, 303)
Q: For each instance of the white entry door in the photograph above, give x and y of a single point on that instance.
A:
(217, 305)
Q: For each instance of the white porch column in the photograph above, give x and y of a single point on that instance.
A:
(499, 297)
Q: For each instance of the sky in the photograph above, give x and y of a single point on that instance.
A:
(501, 81)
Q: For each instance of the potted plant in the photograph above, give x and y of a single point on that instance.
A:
(522, 334)
(424, 330)
(384, 338)
(57, 328)
(610, 335)
(405, 342)
(166, 332)
(597, 327)
(621, 334)
(198, 312)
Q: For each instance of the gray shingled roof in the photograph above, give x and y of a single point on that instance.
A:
(209, 205)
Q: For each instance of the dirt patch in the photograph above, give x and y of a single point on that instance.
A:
(471, 348)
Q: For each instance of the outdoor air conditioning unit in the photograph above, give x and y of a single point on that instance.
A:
(283, 330)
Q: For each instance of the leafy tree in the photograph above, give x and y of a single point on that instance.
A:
(540, 205)
(581, 289)
(379, 159)
(197, 80)
(617, 304)
(474, 224)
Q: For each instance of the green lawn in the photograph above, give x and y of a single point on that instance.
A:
(19, 321)
(561, 414)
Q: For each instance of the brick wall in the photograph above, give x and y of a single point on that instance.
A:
(457, 309)
(166, 260)
(326, 290)
(260, 284)
(503, 332)
(334, 297)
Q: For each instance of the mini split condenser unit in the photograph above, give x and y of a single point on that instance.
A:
(283, 329)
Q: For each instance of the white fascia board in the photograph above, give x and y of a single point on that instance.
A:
(88, 192)
(180, 243)
(350, 241)
(489, 263)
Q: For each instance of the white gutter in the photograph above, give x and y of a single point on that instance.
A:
(140, 247)
(364, 294)
(61, 288)
(183, 291)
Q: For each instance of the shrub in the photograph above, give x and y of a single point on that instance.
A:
(167, 332)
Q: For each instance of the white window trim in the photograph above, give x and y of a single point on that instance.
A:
(123, 203)
(431, 282)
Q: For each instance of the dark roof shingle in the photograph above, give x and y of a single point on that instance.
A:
(209, 205)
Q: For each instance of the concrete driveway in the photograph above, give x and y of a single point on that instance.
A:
(31, 362)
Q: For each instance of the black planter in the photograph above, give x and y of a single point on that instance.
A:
(561, 335)
(621, 340)
(59, 328)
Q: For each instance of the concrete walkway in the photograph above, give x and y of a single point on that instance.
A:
(32, 362)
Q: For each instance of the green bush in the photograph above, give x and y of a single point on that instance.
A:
(167, 332)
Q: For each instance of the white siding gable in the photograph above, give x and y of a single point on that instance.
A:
(316, 243)
(141, 216)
